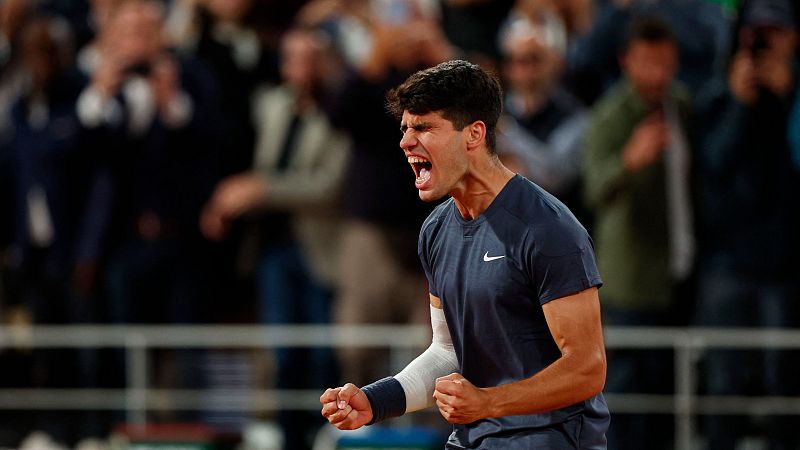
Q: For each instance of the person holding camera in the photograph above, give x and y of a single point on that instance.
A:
(749, 216)
(637, 172)
(160, 121)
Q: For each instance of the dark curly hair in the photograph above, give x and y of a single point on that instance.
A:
(461, 91)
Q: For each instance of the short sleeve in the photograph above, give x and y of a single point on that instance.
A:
(423, 249)
(564, 263)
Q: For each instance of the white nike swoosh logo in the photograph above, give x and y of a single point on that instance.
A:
(488, 258)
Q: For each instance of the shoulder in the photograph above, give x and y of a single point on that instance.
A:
(618, 110)
(551, 227)
(528, 201)
(430, 235)
(614, 100)
(435, 219)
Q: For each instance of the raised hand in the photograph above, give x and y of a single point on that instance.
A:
(646, 144)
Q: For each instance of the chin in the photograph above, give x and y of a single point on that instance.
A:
(429, 196)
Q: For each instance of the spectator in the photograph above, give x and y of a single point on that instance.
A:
(382, 214)
(160, 115)
(701, 29)
(355, 24)
(59, 221)
(12, 15)
(637, 175)
(543, 128)
(222, 34)
(582, 28)
(703, 32)
(297, 179)
(100, 12)
(162, 111)
(218, 32)
(750, 212)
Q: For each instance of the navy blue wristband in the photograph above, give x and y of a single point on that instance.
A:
(387, 398)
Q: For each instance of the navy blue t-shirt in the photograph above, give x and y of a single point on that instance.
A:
(493, 274)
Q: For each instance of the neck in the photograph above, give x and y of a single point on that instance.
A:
(479, 187)
(303, 98)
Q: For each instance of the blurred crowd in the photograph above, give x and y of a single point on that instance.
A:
(231, 161)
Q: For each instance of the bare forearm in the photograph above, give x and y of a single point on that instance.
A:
(567, 381)
(578, 375)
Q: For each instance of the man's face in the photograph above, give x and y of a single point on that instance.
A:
(529, 66)
(135, 32)
(436, 152)
(651, 67)
(298, 61)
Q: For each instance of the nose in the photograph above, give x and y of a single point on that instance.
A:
(408, 141)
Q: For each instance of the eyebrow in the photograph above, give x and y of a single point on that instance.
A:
(421, 126)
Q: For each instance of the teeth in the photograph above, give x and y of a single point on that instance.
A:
(416, 160)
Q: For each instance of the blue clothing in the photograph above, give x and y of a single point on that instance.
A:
(163, 176)
(61, 158)
(493, 274)
(58, 187)
(749, 190)
(749, 264)
(289, 294)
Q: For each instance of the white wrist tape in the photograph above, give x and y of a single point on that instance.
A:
(419, 376)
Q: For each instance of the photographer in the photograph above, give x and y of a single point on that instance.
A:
(134, 78)
(160, 117)
(637, 172)
(748, 269)
(762, 64)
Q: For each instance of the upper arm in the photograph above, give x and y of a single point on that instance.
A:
(436, 302)
(574, 322)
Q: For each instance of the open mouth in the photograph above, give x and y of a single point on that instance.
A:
(422, 168)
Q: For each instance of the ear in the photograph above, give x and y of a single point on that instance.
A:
(475, 134)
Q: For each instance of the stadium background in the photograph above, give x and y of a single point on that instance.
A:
(201, 165)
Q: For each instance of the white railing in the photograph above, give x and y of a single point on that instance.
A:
(405, 342)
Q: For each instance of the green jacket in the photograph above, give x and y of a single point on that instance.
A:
(631, 235)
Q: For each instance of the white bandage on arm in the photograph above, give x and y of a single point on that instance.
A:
(419, 376)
